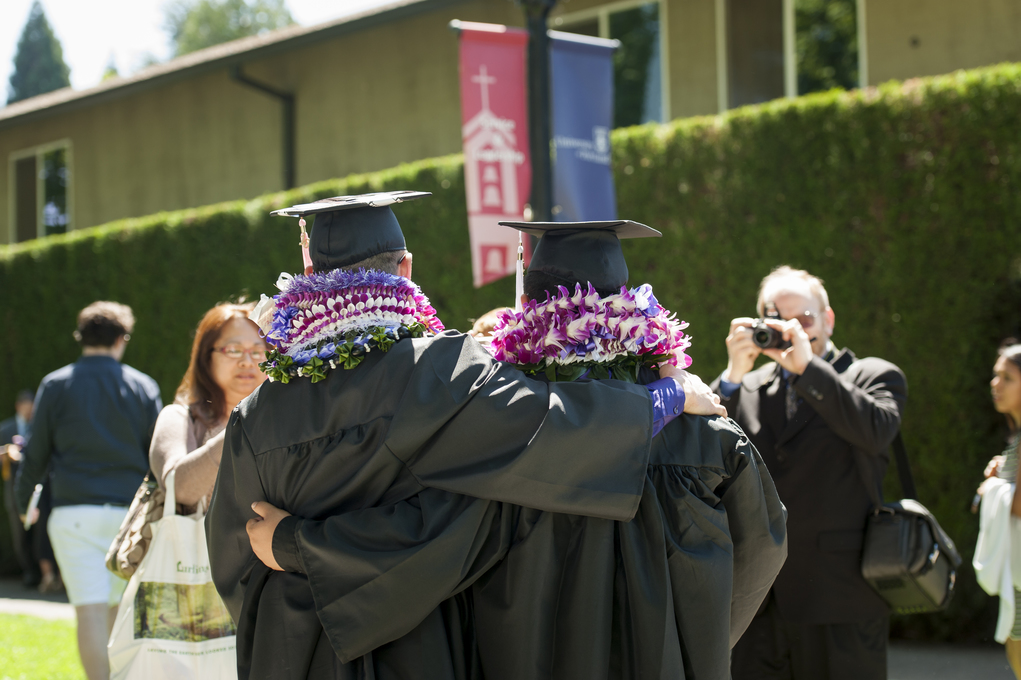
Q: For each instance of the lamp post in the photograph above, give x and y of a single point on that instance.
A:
(536, 14)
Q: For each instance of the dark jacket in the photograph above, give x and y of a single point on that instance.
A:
(849, 413)
(93, 421)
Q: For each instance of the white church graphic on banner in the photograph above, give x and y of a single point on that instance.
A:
(491, 160)
(491, 157)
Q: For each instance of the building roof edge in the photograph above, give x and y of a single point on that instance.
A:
(225, 55)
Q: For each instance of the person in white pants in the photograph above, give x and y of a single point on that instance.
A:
(91, 427)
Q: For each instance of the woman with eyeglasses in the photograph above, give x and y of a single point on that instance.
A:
(224, 369)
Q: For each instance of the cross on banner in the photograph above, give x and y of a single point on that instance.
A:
(484, 80)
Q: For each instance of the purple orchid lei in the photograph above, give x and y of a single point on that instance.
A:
(319, 322)
(568, 335)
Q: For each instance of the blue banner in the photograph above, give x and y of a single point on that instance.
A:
(581, 84)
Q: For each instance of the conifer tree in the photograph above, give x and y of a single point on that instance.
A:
(39, 62)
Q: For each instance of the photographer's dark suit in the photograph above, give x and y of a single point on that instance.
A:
(821, 620)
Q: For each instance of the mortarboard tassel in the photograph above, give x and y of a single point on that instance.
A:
(519, 275)
(306, 259)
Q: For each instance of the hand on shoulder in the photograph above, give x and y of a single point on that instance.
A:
(699, 400)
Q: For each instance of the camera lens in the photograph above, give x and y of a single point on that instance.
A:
(768, 338)
(762, 337)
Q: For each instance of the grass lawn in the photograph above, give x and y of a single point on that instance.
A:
(38, 649)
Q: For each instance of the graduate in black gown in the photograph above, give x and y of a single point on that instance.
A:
(385, 467)
(667, 594)
(664, 595)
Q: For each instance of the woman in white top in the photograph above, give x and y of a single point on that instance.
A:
(1006, 392)
(224, 369)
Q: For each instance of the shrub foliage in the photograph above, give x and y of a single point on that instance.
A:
(903, 198)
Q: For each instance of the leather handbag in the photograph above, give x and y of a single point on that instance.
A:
(135, 534)
(908, 559)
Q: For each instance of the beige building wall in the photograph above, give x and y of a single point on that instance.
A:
(911, 38)
(693, 67)
(364, 101)
(163, 149)
(384, 96)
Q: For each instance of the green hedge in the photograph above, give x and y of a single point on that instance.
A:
(903, 198)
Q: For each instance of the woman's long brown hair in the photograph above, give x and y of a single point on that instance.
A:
(198, 391)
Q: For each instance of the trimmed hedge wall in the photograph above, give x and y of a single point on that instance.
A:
(903, 198)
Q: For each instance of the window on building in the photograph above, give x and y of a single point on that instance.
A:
(754, 51)
(41, 191)
(25, 218)
(638, 81)
(826, 44)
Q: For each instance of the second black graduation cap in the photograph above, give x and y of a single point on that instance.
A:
(349, 229)
(583, 251)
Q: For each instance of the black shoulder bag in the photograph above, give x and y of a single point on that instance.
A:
(908, 559)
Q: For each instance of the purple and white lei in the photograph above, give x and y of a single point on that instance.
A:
(320, 321)
(626, 329)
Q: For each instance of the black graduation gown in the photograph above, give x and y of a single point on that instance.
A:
(416, 430)
(665, 595)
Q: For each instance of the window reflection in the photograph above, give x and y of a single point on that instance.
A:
(39, 190)
(637, 80)
(54, 176)
(636, 66)
(827, 44)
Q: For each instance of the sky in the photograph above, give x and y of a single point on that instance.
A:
(95, 32)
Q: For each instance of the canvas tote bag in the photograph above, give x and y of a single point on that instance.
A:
(172, 624)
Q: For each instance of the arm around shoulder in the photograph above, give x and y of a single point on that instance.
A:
(377, 573)
(534, 433)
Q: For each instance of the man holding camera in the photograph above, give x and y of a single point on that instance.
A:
(822, 420)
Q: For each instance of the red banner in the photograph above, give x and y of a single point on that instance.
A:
(494, 133)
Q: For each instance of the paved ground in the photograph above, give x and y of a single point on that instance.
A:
(907, 661)
(17, 599)
(913, 661)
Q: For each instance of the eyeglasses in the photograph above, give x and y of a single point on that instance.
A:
(807, 319)
(257, 355)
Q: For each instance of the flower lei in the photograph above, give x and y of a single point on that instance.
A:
(320, 322)
(568, 335)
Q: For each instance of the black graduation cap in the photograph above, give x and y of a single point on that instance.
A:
(349, 229)
(583, 251)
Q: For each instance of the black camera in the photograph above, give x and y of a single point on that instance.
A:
(768, 338)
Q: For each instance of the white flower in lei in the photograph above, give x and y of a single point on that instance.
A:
(320, 322)
(567, 336)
